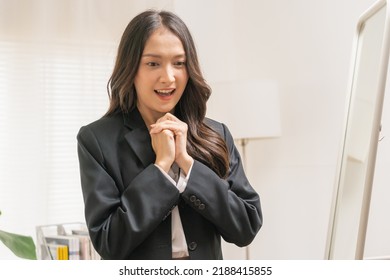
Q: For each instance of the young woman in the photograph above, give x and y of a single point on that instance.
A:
(159, 180)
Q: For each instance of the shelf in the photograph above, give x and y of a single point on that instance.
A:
(68, 241)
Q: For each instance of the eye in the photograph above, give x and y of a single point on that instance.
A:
(152, 64)
(180, 63)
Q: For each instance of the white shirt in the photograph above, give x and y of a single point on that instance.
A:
(178, 179)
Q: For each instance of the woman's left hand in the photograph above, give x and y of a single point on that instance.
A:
(179, 129)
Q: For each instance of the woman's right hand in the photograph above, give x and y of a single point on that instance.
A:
(163, 144)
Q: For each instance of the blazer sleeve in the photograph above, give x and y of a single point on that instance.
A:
(231, 204)
(111, 214)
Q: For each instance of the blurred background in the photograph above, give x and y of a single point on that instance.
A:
(56, 58)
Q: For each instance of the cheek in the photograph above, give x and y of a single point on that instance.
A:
(144, 81)
(183, 76)
(137, 80)
(140, 86)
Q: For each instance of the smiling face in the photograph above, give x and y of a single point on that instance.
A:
(162, 75)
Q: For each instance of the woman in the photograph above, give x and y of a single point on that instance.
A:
(159, 180)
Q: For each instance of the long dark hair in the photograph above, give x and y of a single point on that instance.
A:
(203, 143)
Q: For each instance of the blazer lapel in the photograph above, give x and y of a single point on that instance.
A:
(138, 137)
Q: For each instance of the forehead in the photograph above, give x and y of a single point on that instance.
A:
(163, 42)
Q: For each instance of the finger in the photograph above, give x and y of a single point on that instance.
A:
(166, 117)
(159, 129)
(170, 125)
(169, 117)
(168, 132)
(163, 122)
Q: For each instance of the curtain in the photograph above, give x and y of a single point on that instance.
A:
(55, 60)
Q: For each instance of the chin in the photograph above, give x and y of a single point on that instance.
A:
(168, 110)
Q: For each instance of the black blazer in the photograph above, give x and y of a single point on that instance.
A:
(128, 200)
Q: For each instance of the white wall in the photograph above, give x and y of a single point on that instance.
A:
(305, 46)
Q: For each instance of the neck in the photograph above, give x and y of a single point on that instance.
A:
(150, 117)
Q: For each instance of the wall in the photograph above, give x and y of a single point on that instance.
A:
(305, 46)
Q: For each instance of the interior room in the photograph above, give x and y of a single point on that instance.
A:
(55, 61)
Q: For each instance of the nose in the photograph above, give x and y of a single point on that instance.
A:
(167, 75)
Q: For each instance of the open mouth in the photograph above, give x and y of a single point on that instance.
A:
(164, 92)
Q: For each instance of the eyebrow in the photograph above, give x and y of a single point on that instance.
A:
(159, 56)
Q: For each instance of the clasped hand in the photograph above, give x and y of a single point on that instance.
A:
(169, 140)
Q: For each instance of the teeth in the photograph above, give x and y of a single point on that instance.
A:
(164, 92)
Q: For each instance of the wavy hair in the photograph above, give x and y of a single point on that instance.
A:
(203, 143)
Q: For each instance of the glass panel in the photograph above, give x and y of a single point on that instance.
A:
(361, 136)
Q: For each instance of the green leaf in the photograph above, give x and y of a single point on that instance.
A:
(22, 246)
